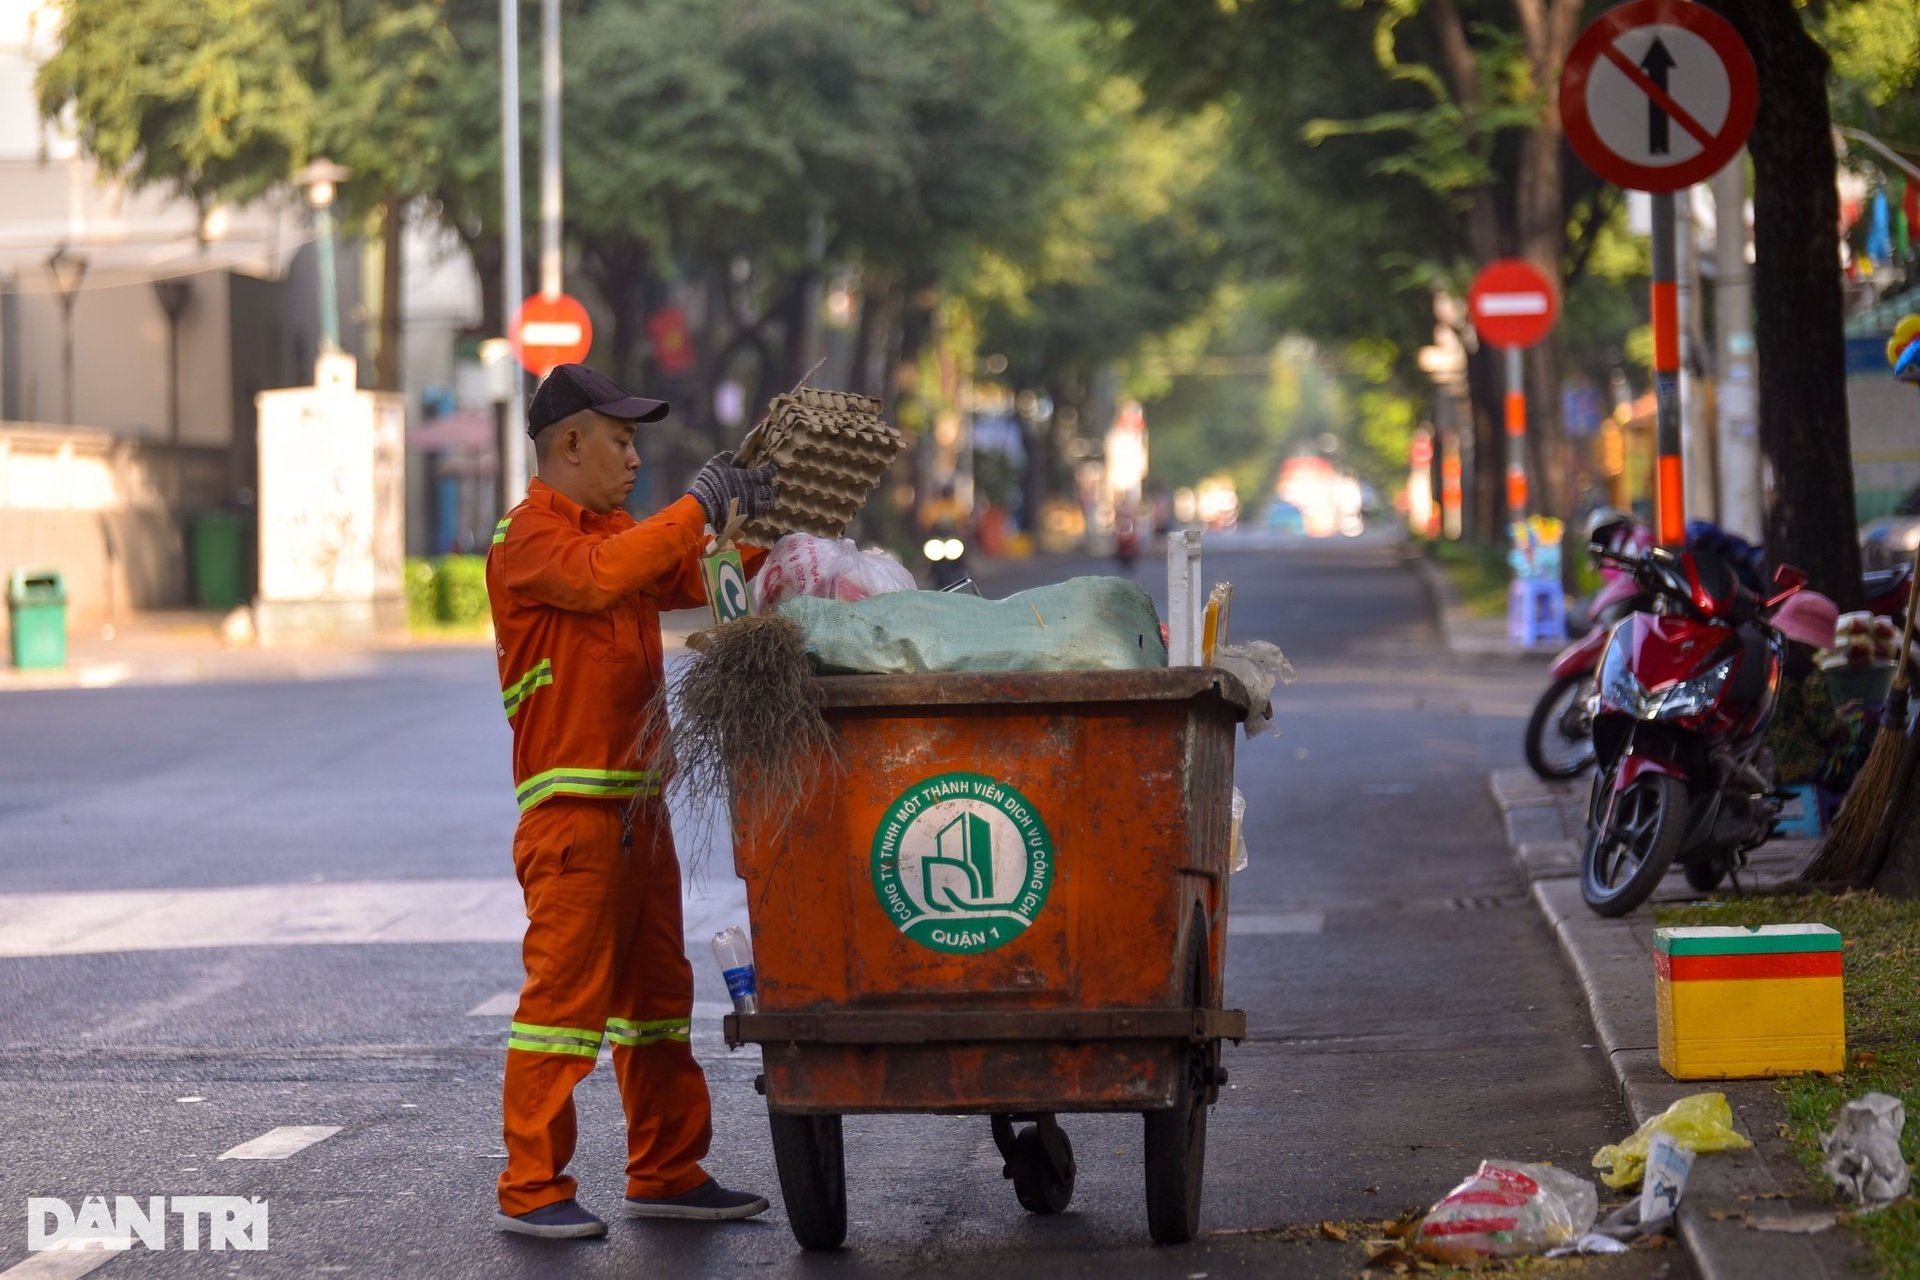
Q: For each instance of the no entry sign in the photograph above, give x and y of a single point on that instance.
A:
(1658, 94)
(1512, 304)
(549, 331)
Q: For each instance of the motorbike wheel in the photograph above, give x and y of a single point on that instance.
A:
(1560, 730)
(1624, 862)
(1705, 876)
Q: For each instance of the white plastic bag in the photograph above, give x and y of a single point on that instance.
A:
(801, 564)
(1259, 666)
(1239, 834)
(871, 573)
(1508, 1210)
(1863, 1150)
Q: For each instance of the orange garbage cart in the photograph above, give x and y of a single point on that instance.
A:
(1013, 902)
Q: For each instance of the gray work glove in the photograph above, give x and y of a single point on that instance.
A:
(721, 480)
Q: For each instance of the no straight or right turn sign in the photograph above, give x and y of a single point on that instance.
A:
(1658, 94)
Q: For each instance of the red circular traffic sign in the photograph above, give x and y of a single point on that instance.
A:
(1658, 94)
(550, 331)
(1512, 304)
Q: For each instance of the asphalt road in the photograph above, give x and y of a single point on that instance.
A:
(229, 908)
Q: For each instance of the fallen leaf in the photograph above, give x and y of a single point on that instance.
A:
(1334, 1231)
(1370, 1191)
(1866, 1058)
(1721, 1215)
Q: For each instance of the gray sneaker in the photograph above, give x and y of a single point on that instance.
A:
(708, 1202)
(563, 1219)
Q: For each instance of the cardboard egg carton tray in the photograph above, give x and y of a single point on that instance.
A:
(832, 448)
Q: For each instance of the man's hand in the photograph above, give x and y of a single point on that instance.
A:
(722, 480)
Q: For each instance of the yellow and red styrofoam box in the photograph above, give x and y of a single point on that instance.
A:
(1737, 1002)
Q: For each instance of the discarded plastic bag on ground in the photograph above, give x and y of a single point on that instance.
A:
(1700, 1122)
(1259, 666)
(1507, 1210)
(1863, 1150)
(801, 564)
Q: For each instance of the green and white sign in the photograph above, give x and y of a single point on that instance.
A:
(962, 863)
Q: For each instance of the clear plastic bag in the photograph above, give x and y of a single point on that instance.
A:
(1699, 1122)
(1259, 666)
(802, 564)
(1508, 1210)
(1239, 836)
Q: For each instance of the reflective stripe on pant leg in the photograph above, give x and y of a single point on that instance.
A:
(538, 1039)
(621, 1031)
(662, 1088)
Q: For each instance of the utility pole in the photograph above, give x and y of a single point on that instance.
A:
(512, 443)
(1735, 400)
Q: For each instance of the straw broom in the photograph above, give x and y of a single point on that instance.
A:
(1847, 851)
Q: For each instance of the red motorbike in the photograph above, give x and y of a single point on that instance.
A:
(1678, 728)
(1559, 743)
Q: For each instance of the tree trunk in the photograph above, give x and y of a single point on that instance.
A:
(387, 373)
(1798, 305)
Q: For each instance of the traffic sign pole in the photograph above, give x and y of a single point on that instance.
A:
(1669, 496)
(1516, 436)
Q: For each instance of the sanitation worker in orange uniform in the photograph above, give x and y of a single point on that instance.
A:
(576, 586)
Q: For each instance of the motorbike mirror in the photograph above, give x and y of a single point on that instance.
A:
(1790, 580)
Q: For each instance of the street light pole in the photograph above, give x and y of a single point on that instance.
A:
(69, 269)
(320, 178)
(550, 148)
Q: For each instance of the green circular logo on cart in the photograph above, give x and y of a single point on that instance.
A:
(962, 863)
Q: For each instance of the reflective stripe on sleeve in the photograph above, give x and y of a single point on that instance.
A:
(538, 1039)
(500, 530)
(597, 784)
(623, 1032)
(516, 693)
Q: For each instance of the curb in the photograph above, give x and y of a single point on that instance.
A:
(1610, 959)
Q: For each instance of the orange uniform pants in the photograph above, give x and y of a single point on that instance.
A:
(606, 960)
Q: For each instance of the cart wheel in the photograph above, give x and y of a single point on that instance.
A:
(1177, 1136)
(1043, 1168)
(813, 1177)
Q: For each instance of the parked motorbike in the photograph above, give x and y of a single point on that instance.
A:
(1678, 731)
(1559, 739)
(947, 557)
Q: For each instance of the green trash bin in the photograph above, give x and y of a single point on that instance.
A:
(219, 559)
(37, 617)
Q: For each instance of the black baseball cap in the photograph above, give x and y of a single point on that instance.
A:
(569, 388)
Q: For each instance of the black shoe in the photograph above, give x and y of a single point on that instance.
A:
(564, 1219)
(708, 1202)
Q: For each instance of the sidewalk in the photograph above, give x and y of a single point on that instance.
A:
(1731, 1197)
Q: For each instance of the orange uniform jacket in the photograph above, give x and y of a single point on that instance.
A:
(576, 616)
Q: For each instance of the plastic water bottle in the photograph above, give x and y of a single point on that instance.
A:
(735, 954)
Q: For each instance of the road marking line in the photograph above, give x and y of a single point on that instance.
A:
(62, 1264)
(1257, 923)
(500, 1006)
(278, 1144)
(359, 912)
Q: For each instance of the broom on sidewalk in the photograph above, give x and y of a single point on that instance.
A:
(1848, 849)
